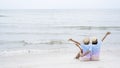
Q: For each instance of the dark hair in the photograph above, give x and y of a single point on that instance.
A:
(95, 42)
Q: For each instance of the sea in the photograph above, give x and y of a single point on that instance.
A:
(36, 31)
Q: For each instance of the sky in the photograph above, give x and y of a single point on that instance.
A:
(59, 4)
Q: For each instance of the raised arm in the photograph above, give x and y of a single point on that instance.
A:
(79, 48)
(108, 33)
(76, 42)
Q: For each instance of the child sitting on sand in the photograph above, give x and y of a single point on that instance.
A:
(85, 49)
(96, 44)
(89, 51)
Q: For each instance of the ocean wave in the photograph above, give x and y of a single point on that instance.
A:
(3, 16)
(25, 42)
(21, 52)
(51, 42)
(8, 42)
(15, 52)
(33, 51)
(35, 33)
(48, 26)
(93, 27)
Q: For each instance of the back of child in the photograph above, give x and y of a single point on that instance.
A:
(85, 49)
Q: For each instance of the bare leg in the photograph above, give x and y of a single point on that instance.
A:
(78, 55)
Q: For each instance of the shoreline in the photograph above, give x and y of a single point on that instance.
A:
(59, 60)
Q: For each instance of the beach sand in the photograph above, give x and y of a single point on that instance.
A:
(108, 59)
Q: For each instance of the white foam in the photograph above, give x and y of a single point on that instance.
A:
(20, 52)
